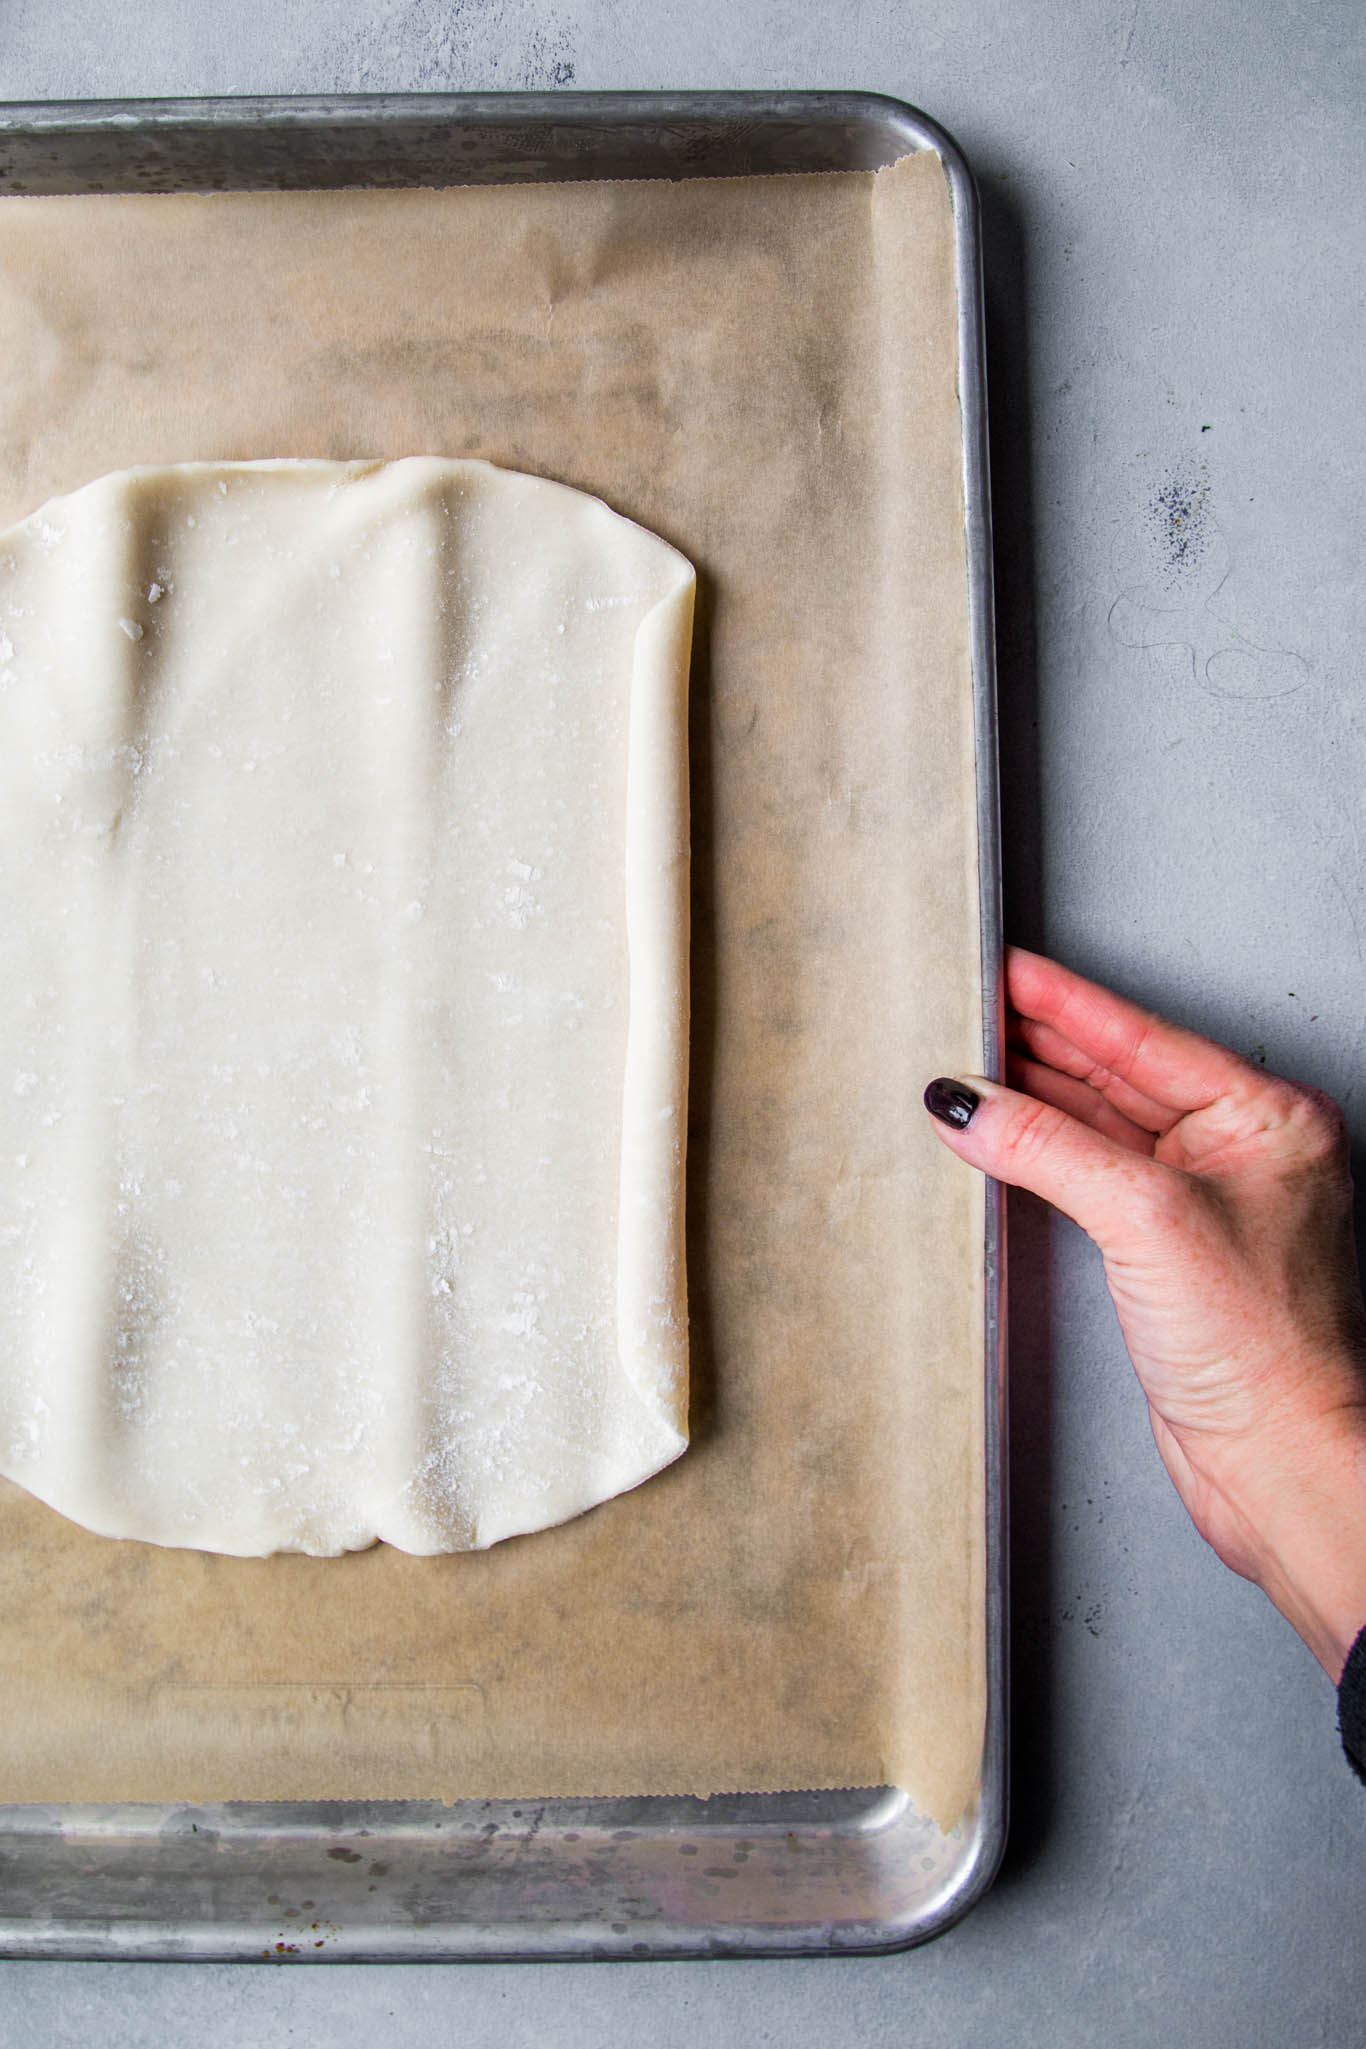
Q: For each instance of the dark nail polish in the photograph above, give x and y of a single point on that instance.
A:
(952, 1102)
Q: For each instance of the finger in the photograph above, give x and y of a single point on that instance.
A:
(1044, 1043)
(1176, 1068)
(1115, 1194)
(1088, 1105)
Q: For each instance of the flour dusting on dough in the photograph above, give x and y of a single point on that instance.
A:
(343, 869)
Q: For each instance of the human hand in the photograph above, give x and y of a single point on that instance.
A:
(1220, 1198)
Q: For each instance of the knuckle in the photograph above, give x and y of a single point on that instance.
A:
(1314, 1123)
(1030, 1132)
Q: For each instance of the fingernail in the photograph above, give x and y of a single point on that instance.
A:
(952, 1102)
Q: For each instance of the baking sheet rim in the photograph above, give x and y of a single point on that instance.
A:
(912, 131)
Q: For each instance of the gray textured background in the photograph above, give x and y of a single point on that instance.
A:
(1174, 225)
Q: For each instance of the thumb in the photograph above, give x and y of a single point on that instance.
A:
(1111, 1192)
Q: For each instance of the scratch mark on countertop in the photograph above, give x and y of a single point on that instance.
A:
(1121, 1844)
(1131, 29)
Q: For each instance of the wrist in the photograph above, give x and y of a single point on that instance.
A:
(1310, 1523)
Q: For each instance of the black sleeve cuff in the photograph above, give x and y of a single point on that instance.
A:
(1352, 1707)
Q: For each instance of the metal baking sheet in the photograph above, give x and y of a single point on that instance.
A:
(804, 1873)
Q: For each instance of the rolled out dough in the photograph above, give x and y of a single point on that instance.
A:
(343, 1021)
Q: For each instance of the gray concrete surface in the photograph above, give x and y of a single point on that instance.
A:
(1173, 203)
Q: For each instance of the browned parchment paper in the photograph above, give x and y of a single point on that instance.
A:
(763, 371)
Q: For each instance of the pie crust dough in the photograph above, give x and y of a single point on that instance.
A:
(343, 1028)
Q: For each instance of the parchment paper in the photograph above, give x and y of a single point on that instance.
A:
(763, 371)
